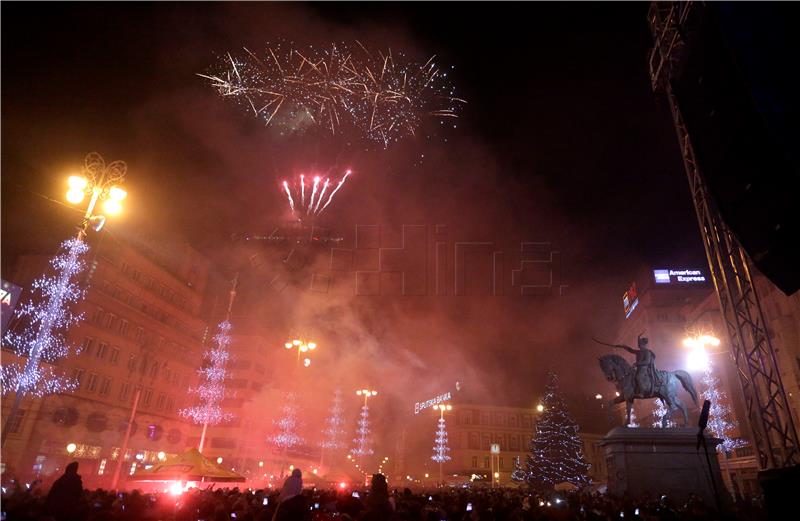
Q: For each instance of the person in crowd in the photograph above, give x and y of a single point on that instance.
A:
(378, 506)
(64, 501)
(292, 504)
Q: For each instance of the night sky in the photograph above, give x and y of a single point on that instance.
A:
(562, 141)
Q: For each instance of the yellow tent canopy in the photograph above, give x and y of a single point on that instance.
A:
(189, 466)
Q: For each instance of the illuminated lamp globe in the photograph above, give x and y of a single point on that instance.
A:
(540, 407)
(75, 196)
(117, 194)
(296, 342)
(76, 182)
(162, 456)
(71, 447)
(307, 362)
(219, 460)
(303, 348)
(312, 345)
(287, 345)
(112, 207)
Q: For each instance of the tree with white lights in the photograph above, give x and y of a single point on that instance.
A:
(556, 449)
(42, 340)
(634, 420)
(441, 450)
(333, 433)
(363, 440)
(658, 414)
(720, 417)
(211, 391)
(286, 436)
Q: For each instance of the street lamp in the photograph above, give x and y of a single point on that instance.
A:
(71, 447)
(100, 182)
(540, 407)
(698, 359)
(302, 347)
(366, 393)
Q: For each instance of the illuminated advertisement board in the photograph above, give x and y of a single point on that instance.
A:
(630, 300)
(9, 295)
(668, 276)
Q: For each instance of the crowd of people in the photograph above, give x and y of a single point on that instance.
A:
(68, 501)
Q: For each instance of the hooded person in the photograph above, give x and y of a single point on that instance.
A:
(64, 499)
(292, 504)
(378, 506)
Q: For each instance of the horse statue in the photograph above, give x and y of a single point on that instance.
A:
(664, 386)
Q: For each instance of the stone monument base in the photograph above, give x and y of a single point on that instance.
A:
(643, 461)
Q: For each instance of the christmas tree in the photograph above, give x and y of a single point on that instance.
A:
(440, 448)
(363, 441)
(333, 432)
(556, 449)
(658, 414)
(48, 319)
(286, 436)
(720, 422)
(211, 391)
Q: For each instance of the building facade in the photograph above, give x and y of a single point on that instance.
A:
(140, 341)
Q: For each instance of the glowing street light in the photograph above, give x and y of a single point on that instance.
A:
(540, 407)
(71, 447)
(162, 455)
(219, 460)
(302, 347)
(698, 358)
(100, 182)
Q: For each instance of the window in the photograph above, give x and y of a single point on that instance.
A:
(123, 327)
(132, 363)
(502, 466)
(147, 397)
(139, 334)
(16, 422)
(105, 387)
(486, 462)
(162, 400)
(97, 316)
(91, 383)
(102, 349)
(154, 369)
(109, 319)
(474, 462)
(124, 392)
(114, 358)
(77, 375)
(87, 346)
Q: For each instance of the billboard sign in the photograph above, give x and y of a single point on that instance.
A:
(669, 276)
(9, 295)
(421, 406)
(630, 300)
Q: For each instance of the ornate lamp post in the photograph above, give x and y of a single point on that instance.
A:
(303, 348)
(440, 449)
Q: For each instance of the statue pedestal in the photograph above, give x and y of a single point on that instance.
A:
(662, 461)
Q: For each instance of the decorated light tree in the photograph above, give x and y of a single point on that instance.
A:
(556, 449)
(634, 420)
(333, 432)
(720, 418)
(518, 474)
(42, 340)
(441, 450)
(363, 440)
(658, 414)
(286, 436)
(211, 391)
(213, 374)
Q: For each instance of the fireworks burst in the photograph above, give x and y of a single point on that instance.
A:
(385, 97)
(317, 194)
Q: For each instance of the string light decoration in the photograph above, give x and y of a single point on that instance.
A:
(720, 423)
(48, 319)
(556, 449)
(518, 474)
(658, 414)
(211, 391)
(441, 450)
(363, 439)
(634, 420)
(286, 436)
(333, 432)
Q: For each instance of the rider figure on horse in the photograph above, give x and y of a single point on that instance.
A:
(645, 379)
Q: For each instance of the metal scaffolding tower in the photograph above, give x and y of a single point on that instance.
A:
(774, 432)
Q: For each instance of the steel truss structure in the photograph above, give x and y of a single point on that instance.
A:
(774, 433)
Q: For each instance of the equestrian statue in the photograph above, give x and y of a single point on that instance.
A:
(643, 381)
